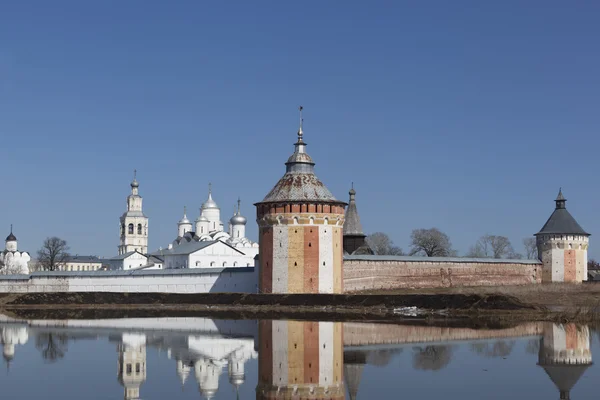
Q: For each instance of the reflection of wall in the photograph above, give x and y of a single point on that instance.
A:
(565, 354)
(302, 359)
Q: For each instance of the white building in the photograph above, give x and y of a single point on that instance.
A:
(10, 336)
(133, 224)
(132, 364)
(81, 263)
(207, 244)
(13, 261)
(204, 254)
(133, 260)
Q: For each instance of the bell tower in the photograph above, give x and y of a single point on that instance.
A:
(133, 224)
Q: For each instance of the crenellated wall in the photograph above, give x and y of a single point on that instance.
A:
(401, 272)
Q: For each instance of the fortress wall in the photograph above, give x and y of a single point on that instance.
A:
(401, 272)
(197, 280)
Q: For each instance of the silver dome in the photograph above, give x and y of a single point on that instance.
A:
(202, 218)
(209, 203)
(238, 219)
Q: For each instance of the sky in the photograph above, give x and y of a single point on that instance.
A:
(466, 116)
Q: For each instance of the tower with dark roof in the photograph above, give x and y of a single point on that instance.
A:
(354, 238)
(562, 246)
(300, 231)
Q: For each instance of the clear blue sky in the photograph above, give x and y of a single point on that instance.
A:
(462, 115)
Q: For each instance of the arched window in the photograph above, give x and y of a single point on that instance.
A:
(238, 232)
(224, 263)
(122, 229)
(139, 229)
(212, 264)
(130, 229)
(235, 263)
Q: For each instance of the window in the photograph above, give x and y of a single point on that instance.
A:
(212, 264)
(122, 229)
(137, 368)
(130, 229)
(224, 263)
(139, 229)
(129, 369)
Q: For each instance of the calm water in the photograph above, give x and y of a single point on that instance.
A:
(192, 358)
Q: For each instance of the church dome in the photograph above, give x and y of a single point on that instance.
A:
(209, 203)
(202, 218)
(185, 219)
(238, 219)
(135, 183)
(11, 238)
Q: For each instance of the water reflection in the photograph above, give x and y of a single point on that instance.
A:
(320, 360)
(300, 360)
(565, 355)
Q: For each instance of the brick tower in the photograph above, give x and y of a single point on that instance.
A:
(300, 360)
(300, 231)
(562, 246)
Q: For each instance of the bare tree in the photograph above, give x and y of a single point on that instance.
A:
(530, 248)
(54, 252)
(593, 264)
(432, 358)
(431, 243)
(499, 348)
(492, 246)
(10, 267)
(53, 346)
(381, 244)
(381, 358)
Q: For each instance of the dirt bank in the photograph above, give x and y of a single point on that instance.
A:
(269, 301)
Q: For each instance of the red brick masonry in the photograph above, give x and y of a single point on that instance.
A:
(399, 272)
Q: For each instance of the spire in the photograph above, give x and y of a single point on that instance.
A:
(560, 200)
(238, 207)
(184, 211)
(134, 182)
(300, 133)
(352, 225)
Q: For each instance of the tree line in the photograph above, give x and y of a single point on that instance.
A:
(435, 243)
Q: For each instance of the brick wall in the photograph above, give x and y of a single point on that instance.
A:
(388, 272)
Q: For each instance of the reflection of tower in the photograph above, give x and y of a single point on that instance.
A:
(565, 355)
(132, 364)
(183, 371)
(354, 363)
(207, 375)
(11, 336)
(300, 360)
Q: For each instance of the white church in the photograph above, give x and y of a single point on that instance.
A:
(13, 261)
(204, 244)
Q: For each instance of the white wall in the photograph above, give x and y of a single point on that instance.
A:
(217, 255)
(240, 280)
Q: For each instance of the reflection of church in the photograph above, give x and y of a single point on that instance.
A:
(300, 360)
(565, 355)
(207, 355)
(10, 336)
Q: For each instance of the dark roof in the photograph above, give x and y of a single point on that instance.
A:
(11, 237)
(565, 376)
(561, 221)
(352, 225)
(82, 259)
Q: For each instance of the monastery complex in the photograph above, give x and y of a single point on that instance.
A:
(309, 242)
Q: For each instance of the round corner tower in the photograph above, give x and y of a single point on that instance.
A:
(300, 231)
(562, 246)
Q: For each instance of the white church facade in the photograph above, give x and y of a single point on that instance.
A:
(13, 261)
(206, 244)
